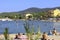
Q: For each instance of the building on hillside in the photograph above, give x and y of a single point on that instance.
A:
(29, 16)
(50, 13)
(56, 12)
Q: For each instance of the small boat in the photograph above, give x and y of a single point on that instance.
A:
(5, 19)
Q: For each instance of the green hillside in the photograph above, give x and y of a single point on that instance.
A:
(37, 13)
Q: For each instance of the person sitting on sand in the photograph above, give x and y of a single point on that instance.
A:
(50, 33)
(54, 32)
(44, 36)
(22, 36)
(19, 35)
(16, 37)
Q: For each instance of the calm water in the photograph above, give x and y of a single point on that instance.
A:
(18, 26)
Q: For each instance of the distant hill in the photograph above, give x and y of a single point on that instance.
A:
(31, 10)
(20, 14)
(34, 10)
(37, 10)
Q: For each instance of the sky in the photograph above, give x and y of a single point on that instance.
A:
(19, 5)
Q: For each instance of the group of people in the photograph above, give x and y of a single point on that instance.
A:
(53, 32)
(21, 36)
(45, 35)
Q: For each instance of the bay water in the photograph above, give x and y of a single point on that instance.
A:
(18, 26)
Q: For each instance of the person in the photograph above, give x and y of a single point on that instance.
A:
(16, 37)
(54, 32)
(19, 35)
(50, 33)
(22, 36)
(44, 36)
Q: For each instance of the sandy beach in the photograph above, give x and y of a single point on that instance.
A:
(54, 37)
(12, 36)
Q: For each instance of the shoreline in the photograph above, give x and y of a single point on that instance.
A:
(7, 19)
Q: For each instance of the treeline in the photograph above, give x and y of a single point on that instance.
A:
(40, 15)
(11, 15)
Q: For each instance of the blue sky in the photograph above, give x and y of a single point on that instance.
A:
(18, 5)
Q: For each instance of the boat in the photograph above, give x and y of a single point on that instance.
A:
(6, 19)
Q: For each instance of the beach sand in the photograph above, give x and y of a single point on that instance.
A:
(55, 37)
(12, 36)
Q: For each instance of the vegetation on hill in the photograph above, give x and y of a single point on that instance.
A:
(36, 12)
